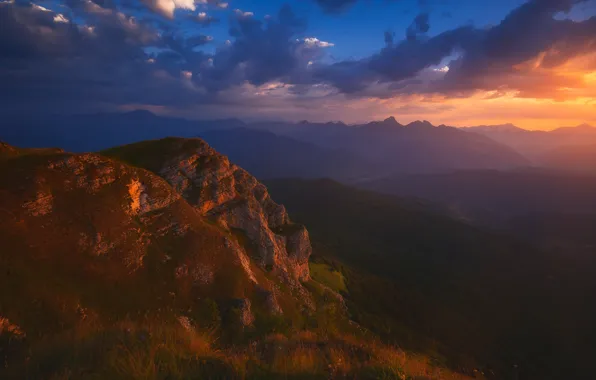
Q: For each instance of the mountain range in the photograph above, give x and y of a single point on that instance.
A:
(310, 150)
(407, 148)
(568, 148)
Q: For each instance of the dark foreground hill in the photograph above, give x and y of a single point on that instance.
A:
(162, 260)
(429, 282)
(494, 197)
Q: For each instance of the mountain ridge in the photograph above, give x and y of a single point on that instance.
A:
(537, 144)
(162, 259)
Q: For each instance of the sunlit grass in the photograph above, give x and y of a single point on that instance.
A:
(328, 276)
(166, 350)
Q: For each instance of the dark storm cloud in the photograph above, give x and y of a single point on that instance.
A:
(108, 57)
(524, 34)
(43, 61)
(487, 58)
(418, 27)
(104, 56)
(398, 61)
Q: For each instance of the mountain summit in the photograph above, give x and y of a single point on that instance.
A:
(228, 195)
(192, 225)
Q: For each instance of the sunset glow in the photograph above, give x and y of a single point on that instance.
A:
(298, 189)
(529, 63)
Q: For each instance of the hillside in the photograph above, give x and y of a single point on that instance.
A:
(573, 158)
(536, 144)
(493, 197)
(427, 281)
(113, 271)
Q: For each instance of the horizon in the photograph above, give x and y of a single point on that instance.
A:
(450, 63)
(322, 121)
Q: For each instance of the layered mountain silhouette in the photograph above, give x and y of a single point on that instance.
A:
(577, 158)
(554, 148)
(309, 150)
(416, 147)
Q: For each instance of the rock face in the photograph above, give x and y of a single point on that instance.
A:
(10, 329)
(243, 311)
(150, 227)
(231, 197)
(101, 217)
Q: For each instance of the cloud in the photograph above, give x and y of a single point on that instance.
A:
(95, 54)
(243, 15)
(203, 18)
(105, 58)
(167, 7)
(418, 27)
(481, 59)
(216, 3)
(198, 40)
(46, 64)
(260, 51)
(312, 42)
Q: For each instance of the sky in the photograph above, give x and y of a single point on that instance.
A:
(460, 63)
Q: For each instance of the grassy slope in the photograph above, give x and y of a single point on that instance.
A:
(437, 285)
(328, 276)
(90, 317)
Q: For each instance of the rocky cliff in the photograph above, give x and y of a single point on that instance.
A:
(121, 238)
(228, 195)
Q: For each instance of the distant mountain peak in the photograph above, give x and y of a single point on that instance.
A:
(581, 129)
(390, 120)
(508, 127)
(420, 124)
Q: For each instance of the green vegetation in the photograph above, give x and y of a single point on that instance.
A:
(328, 276)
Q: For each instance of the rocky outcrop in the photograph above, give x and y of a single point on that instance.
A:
(269, 299)
(8, 328)
(136, 238)
(231, 197)
(108, 216)
(7, 151)
(242, 311)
